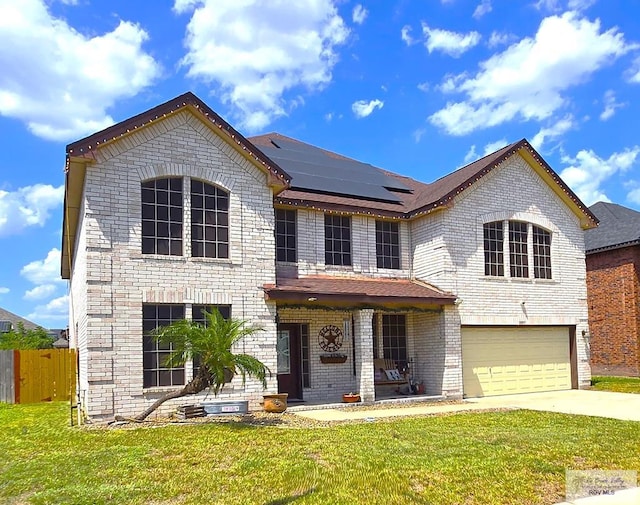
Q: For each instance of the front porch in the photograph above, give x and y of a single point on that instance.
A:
(328, 342)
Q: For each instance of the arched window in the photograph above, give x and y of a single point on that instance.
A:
(209, 221)
(541, 253)
(162, 216)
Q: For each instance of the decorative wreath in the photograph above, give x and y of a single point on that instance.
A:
(330, 338)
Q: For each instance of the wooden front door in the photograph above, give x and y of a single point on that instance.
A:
(289, 361)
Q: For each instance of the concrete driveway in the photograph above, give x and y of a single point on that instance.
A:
(583, 402)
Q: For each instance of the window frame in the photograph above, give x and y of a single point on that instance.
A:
(518, 249)
(493, 248)
(209, 220)
(395, 339)
(153, 352)
(337, 240)
(541, 252)
(388, 244)
(286, 235)
(162, 216)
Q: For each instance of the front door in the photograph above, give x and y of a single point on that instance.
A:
(289, 354)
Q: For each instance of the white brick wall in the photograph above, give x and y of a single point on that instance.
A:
(448, 251)
(112, 279)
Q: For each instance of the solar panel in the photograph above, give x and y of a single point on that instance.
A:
(313, 169)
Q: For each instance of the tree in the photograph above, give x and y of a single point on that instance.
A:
(21, 338)
(210, 345)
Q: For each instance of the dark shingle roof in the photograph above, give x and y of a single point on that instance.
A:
(407, 197)
(619, 227)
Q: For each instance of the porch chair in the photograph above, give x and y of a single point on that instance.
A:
(384, 371)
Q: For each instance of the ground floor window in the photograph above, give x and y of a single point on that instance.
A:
(394, 338)
(154, 354)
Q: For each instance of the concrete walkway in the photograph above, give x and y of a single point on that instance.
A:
(621, 406)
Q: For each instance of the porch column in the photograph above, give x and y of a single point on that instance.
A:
(363, 341)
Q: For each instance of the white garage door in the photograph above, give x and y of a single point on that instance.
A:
(502, 361)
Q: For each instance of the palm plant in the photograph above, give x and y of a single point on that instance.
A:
(209, 344)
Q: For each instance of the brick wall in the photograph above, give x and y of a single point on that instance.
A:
(448, 250)
(112, 279)
(614, 315)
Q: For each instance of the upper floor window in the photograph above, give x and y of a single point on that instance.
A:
(286, 235)
(154, 354)
(337, 240)
(493, 249)
(209, 221)
(388, 244)
(523, 238)
(541, 253)
(518, 257)
(162, 216)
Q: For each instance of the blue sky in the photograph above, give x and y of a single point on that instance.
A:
(418, 87)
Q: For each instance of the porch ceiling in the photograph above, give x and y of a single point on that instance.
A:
(325, 290)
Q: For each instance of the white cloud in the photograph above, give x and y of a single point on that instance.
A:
(610, 105)
(587, 172)
(471, 155)
(633, 74)
(500, 39)
(424, 86)
(580, 5)
(484, 7)
(52, 313)
(252, 52)
(46, 271)
(362, 108)
(492, 147)
(417, 135)
(554, 131)
(359, 14)
(4, 291)
(489, 148)
(405, 34)
(40, 292)
(61, 82)
(549, 5)
(633, 196)
(528, 79)
(28, 206)
(451, 43)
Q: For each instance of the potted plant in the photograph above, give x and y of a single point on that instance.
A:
(275, 402)
(351, 397)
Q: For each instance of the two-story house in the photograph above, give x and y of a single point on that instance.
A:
(474, 283)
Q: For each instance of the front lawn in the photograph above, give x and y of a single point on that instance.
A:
(514, 457)
(617, 384)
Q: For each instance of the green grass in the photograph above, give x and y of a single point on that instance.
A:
(515, 457)
(617, 384)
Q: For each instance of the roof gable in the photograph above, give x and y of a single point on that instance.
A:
(82, 152)
(619, 227)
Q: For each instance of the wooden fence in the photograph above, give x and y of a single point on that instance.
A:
(37, 376)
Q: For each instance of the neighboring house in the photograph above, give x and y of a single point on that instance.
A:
(9, 321)
(613, 267)
(474, 283)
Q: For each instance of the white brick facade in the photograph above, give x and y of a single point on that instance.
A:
(111, 279)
